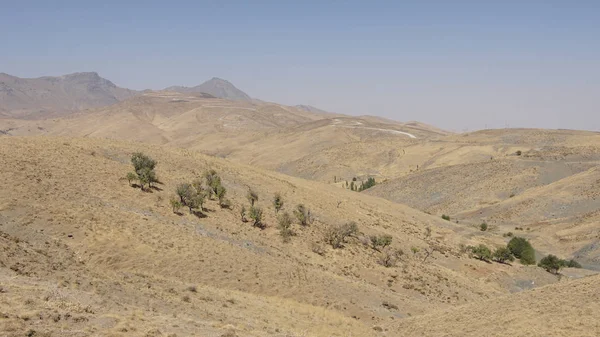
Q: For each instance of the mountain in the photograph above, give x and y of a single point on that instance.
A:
(217, 87)
(47, 96)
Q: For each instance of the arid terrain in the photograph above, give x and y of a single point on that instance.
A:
(85, 252)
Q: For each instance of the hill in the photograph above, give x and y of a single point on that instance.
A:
(86, 253)
(216, 87)
(51, 96)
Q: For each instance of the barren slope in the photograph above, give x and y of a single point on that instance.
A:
(85, 253)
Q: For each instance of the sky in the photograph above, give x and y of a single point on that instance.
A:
(458, 65)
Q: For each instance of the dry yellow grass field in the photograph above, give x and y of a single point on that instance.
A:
(84, 253)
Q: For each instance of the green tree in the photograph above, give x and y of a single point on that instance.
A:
(368, 184)
(303, 215)
(252, 197)
(483, 227)
(175, 204)
(213, 181)
(482, 252)
(277, 202)
(190, 197)
(379, 242)
(551, 263)
(446, 217)
(503, 255)
(220, 191)
(572, 264)
(522, 250)
(144, 169)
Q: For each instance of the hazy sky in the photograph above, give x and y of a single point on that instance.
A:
(454, 64)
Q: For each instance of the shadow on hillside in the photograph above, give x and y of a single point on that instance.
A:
(199, 214)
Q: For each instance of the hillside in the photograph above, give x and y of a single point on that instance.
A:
(216, 87)
(51, 96)
(86, 253)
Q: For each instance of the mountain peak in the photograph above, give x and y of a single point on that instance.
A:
(217, 87)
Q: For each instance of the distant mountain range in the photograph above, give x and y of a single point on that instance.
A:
(217, 87)
(48, 96)
(28, 97)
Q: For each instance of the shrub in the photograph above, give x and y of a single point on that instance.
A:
(243, 214)
(303, 215)
(518, 153)
(318, 249)
(522, 250)
(381, 241)
(414, 250)
(389, 257)
(256, 213)
(277, 202)
(252, 197)
(572, 264)
(336, 236)
(131, 177)
(481, 252)
(190, 197)
(508, 235)
(175, 204)
(220, 191)
(503, 255)
(551, 263)
(483, 227)
(446, 217)
(285, 226)
(370, 183)
(213, 181)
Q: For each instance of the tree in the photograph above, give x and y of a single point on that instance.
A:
(446, 217)
(572, 264)
(285, 226)
(483, 227)
(131, 177)
(352, 186)
(213, 181)
(144, 169)
(503, 255)
(370, 183)
(252, 197)
(380, 242)
(190, 197)
(220, 191)
(482, 252)
(303, 215)
(551, 263)
(277, 202)
(256, 214)
(522, 250)
(336, 236)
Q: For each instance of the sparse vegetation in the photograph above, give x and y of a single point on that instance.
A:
(175, 204)
(285, 226)
(252, 197)
(368, 184)
(503, 255)
(243, 214)
(336, 236)
(446, 217)
(389, 257)
(483, 227)
(380, 242)
(519, 152)
(303, 215)
(522, 250)
(508, 235)
(256, 214)
(143, 170)
(277, 202)
(481, 252)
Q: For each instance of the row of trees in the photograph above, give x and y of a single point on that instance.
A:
(193, 195)
(354, 186)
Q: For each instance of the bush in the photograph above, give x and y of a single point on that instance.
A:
(243, 214)
(551, 263)
(389, 257)
(336, 236)
(213, 181)
(175, 204)
(446, 217)
(503, 255)
(303, 215)
(252, 197)
(572, 264)
(508, 235)
(190, 196)
(483, 227)
(381, 241)
(277, 202)
(131, 177)
(522, 250)
(318, 249)
(370, 183)
(481, 252)
(144, 169)
(519, 152)
(220, 191)
(256, 213)
(285, 226)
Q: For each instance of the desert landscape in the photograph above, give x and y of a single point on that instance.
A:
(203, 212)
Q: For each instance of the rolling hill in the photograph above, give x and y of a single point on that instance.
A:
(216, 87)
